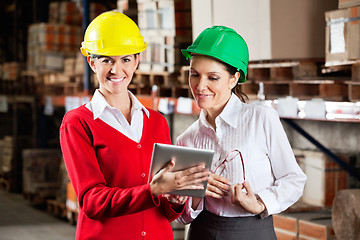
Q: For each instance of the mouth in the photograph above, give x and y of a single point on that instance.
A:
(204, 95)
(115, 80)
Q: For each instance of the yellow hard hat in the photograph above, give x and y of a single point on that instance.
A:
(112, 34)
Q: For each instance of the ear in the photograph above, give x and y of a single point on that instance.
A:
(91, 63)
(137, 60)
(234, 80)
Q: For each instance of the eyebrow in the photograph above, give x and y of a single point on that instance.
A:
(207, 72)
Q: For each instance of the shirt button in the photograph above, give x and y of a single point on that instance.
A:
(139, 146)
(143, 175)
(143, 233)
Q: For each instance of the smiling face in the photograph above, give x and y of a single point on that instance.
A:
(114, 73)
(210, 83)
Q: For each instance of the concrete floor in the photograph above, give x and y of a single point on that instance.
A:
(21, 221)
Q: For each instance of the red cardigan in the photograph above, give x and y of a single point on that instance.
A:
(109, 173)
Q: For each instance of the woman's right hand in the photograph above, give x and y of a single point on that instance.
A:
(167, 181)
(217, 186)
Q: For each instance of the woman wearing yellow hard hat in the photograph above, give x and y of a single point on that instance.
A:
(107, 145)
(254, 172)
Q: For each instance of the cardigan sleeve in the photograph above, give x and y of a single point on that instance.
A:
(95, 198)
(170, 213)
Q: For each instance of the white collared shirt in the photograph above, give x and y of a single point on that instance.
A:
(113, 117)
(269, 162)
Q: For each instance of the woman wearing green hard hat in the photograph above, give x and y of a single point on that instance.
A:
(107, 145)
(254, 173)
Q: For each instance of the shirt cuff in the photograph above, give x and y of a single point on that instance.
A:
(195, 212)
(270, 205)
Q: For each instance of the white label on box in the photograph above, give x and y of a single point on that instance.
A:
(184, 105)
(49, 107)
(71, 103)
(288, 107)
(4, 106)
(315, 109)
(337, 36)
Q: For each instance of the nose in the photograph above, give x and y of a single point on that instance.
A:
(116, 68)
(202, 83)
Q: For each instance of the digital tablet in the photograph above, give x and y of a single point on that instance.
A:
(185, 157)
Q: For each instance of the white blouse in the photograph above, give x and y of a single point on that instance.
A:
(269, 163)
(113, 116)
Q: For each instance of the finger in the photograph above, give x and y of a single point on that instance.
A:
(216, 190)
(209, 193)
(248, 189)
(191, 186)
(192, 170)
(238, 193)
(167, 168)
(220, 178)
(219, 184)
(233, 193)
(193, 178)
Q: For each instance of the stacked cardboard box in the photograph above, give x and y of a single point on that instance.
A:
(348, 3)
(342, 35)
(166, 27)
(325, 177)
(273, 30)
(11, 70)
(40, 171)
(49, 44)
(7, 154)
(128, 7)
(314, 225)
(70, 12)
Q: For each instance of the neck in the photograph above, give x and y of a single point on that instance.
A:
(121, 101)
(212, 113)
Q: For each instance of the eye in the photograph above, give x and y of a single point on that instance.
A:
(106, 61)
(193, 74)
(214, 78)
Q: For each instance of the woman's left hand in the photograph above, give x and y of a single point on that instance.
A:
(176, 200)
(246, 199)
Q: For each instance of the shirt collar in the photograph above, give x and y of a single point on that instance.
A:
(99, 103)
(232, 106)
(227, 114)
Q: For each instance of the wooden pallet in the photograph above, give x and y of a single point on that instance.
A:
(283, 70)
(5, 184)
(34, 198)
(57, 209)
(156, 78)
(354, 90)
(71, 216)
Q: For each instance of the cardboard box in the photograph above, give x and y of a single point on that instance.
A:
(273, 30)
(293, 225)
(324, 177)
(40, 171)
(316, 229)
(348, 3)
(342, 39)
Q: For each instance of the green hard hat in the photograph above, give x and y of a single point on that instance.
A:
(222, 43)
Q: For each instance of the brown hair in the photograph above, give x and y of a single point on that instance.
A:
(237, 89)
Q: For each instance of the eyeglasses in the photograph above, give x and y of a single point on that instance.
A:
(231, 156)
